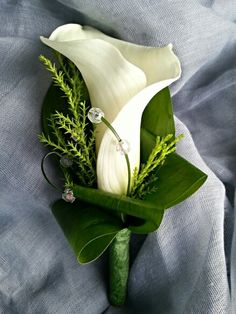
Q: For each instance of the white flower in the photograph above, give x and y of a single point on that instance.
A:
(121, 78)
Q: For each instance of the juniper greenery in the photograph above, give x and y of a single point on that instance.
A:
(73, 134)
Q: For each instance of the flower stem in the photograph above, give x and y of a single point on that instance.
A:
(119, 267)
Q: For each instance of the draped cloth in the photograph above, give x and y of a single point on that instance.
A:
(189, 264)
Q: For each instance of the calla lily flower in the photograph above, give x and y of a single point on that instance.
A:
(121, 78)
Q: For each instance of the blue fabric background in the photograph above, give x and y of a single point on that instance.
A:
(189, 264)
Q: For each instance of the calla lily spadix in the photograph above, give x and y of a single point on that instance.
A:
(121, 78)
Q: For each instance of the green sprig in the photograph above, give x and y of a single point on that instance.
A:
(71, 135)
(143, 181)
(46, 140)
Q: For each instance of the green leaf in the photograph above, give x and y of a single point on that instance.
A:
(89, 230)
(158, 120)
(148, 214)
(177, 178)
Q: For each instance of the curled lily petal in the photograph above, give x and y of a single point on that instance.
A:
(111, 166)
(156, 62)
(111, 80)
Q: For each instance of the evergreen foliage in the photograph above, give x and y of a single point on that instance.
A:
(71, 135)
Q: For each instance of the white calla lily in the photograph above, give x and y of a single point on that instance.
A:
(121, 79)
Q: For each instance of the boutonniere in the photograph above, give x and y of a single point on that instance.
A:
(108, 119)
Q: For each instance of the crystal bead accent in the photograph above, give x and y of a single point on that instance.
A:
(66, 162)
(95, 115)
(123, 147)
(68, 196)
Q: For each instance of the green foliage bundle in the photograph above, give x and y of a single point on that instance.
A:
(74, 135)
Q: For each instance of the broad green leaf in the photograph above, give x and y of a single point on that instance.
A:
(157, 119)
(89, 230)
(148, 214)
(177, 178)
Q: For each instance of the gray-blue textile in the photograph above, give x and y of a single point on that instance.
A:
(189, 264)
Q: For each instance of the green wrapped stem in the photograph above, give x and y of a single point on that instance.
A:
(119, 267)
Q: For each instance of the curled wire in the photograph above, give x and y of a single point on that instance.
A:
(43, 170)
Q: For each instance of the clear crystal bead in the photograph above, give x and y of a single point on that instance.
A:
(68, 196)
(66, 162)
(123, 147)
(95, 115)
